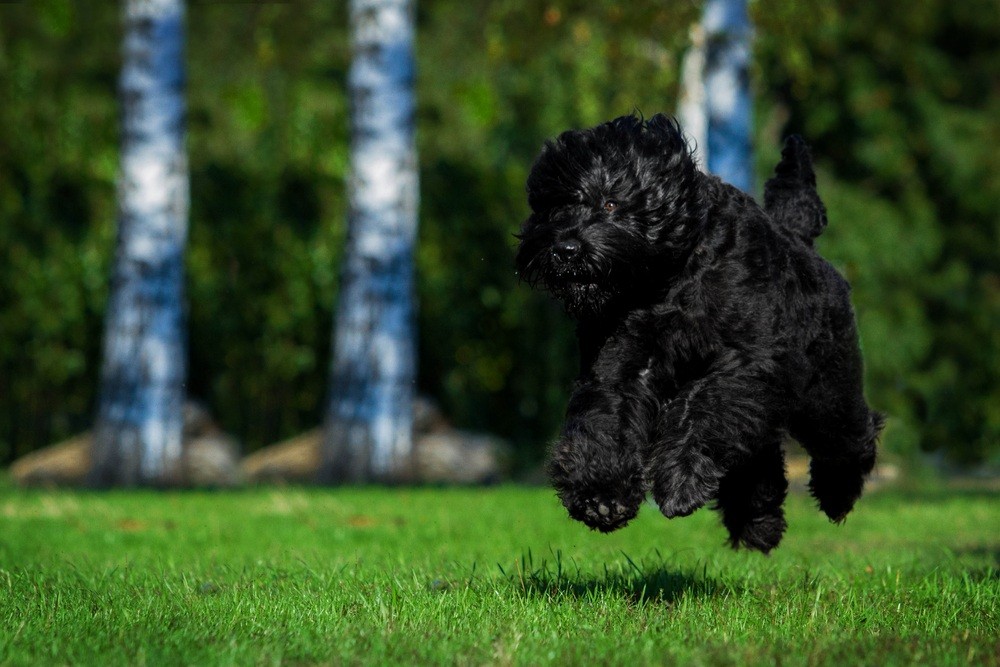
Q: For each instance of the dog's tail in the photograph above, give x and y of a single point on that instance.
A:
(790, 196)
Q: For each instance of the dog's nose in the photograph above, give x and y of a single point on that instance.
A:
(564, 250)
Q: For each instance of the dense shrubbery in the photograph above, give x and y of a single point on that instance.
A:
(899, 106)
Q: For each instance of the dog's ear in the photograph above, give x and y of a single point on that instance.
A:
(667, 131)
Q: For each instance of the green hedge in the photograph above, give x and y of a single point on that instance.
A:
(898, 109)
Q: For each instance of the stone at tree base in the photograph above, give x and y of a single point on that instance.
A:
(427, 417)
(460, 457)
(210, 457)
(211, 460)
(62, 464)
(293, 461)
(442, 455)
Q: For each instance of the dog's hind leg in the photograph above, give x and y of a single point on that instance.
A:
(838, 429)
(751, 496)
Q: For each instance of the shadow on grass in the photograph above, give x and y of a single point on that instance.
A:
(640, 582)
(986, 552)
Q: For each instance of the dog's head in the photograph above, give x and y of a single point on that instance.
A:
(612, 209)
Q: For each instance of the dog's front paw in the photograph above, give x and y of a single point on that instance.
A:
(680, 493)
(605, 513)
(600, 486)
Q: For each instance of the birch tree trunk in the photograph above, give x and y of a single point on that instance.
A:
(139, 423)
(692, 112)
(369, 415)
(727, 91)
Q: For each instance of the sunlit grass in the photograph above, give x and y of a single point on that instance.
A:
(485, 576)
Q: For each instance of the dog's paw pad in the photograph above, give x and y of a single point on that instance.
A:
(604, 514)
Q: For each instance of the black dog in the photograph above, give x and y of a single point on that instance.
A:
(708, 329)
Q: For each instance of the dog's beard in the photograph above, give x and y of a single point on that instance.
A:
(583, 290)
(582, 298)
(587, 287)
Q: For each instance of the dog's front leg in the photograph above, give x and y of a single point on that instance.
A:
(596, 465)
(713, 424)
(596, 472)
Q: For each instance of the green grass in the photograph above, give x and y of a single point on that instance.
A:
(487, 576)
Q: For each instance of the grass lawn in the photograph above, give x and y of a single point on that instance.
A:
(485, 576)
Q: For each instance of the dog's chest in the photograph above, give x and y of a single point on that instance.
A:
(661, 350)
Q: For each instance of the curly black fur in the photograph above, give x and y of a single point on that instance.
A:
(708, 329)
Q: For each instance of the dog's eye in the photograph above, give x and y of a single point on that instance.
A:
(610, 205)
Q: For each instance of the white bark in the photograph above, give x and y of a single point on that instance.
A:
(369, 413)
(139, 423)
(693, 109)
(727, 91)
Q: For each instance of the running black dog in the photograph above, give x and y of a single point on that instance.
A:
(709, 328)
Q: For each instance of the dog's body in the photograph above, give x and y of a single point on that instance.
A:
(708, 328)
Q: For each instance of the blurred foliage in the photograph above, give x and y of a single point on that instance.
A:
(900, 107)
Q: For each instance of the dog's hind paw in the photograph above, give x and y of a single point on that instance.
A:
(837, 486)
(761, 533)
